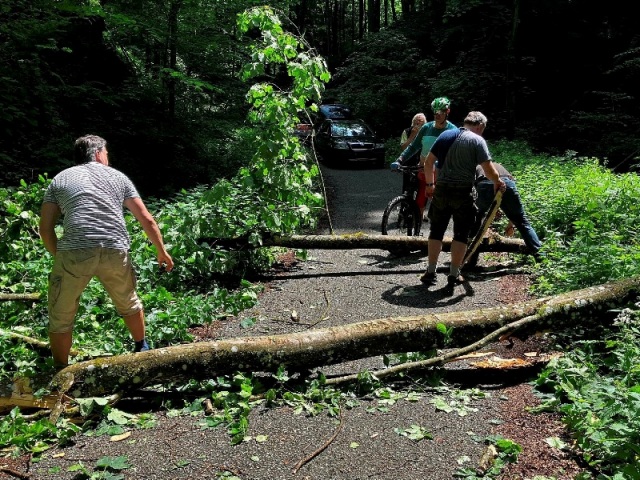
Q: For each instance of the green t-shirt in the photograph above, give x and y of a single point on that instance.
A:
(425, 138)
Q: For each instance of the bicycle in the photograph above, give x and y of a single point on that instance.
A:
(402, 216)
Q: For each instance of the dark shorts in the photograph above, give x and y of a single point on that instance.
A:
(455, 201)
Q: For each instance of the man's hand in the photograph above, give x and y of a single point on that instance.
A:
(165, 261)
(428, 189)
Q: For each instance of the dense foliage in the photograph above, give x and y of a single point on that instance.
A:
(559, 74)
(581, 209)
(159, 79)
(596, 386)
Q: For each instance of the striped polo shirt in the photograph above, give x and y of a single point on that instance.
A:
(91, 198)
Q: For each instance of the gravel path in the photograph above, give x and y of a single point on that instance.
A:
(332, 287)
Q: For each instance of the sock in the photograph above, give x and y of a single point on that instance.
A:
(141, 346)
(454, 271)
(431, 268)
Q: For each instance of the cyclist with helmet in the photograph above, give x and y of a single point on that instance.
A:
(422, 142)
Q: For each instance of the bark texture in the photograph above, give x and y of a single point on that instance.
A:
(319, 347)
(491, 243)
(22, 297)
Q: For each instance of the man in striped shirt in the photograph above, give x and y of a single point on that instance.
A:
(90, 197)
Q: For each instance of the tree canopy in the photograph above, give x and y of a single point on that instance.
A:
(160, 80)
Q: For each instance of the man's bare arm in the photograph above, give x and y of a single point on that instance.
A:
(150, 227)
(49, 215)
(492, 174)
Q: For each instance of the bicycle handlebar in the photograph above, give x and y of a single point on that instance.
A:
(413, 168)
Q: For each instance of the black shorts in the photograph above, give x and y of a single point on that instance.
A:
(451, 200)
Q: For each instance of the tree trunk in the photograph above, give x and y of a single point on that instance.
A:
(19, 297)
(373, 15)
(512, 62)
(321, 347)
(172, 51)
(491, 243)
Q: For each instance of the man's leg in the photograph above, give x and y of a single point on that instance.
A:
(458, 249)
(60, 344)
(435, 247)
(135, 324)
(429, 277)
(118, 278)
(464, 215)
(71, 272)
(514, 210)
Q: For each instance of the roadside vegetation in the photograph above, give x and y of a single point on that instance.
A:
(586, 215)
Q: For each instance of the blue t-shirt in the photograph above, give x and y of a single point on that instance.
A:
(459, 152)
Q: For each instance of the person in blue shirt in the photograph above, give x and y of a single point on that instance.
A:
(457, 153)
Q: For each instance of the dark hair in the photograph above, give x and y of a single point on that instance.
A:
(85, 148)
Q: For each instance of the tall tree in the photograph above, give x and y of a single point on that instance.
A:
(373, 15)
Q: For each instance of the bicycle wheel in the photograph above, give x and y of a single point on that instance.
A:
(401, 218)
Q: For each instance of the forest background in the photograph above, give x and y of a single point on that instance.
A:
(160, 79)
(170, 85)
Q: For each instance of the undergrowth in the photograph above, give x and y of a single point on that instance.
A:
(581, 211)
(596, 387)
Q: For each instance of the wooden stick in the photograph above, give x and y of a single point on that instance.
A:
(306, 460)
(442, 359)
(12, 472)
(24, 297)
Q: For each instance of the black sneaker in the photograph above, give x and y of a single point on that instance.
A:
(452, 281)
(141, 346)
(429, 278)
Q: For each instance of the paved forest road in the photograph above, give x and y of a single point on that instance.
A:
(332, 287)
(358, 196)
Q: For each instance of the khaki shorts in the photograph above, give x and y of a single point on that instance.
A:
(72, 271)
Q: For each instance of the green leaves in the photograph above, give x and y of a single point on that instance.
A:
(581, 210)
(22, 436)
(280, 172)
(597, 392)
(107, 468)
(414, 432)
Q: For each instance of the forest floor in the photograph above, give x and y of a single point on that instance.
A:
(334, 287)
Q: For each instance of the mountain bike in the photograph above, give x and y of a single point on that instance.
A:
(402, 215)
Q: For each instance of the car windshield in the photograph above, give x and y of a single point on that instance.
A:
(349, 130)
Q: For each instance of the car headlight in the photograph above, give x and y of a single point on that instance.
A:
(340, 145)
(379, 145)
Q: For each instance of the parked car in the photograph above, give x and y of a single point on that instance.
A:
(334, 111)
(342, 141)
(304, 132)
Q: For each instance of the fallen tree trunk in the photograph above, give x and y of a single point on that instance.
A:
(491, 243)
(40, 345)
(319, 347)
(23, 297)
